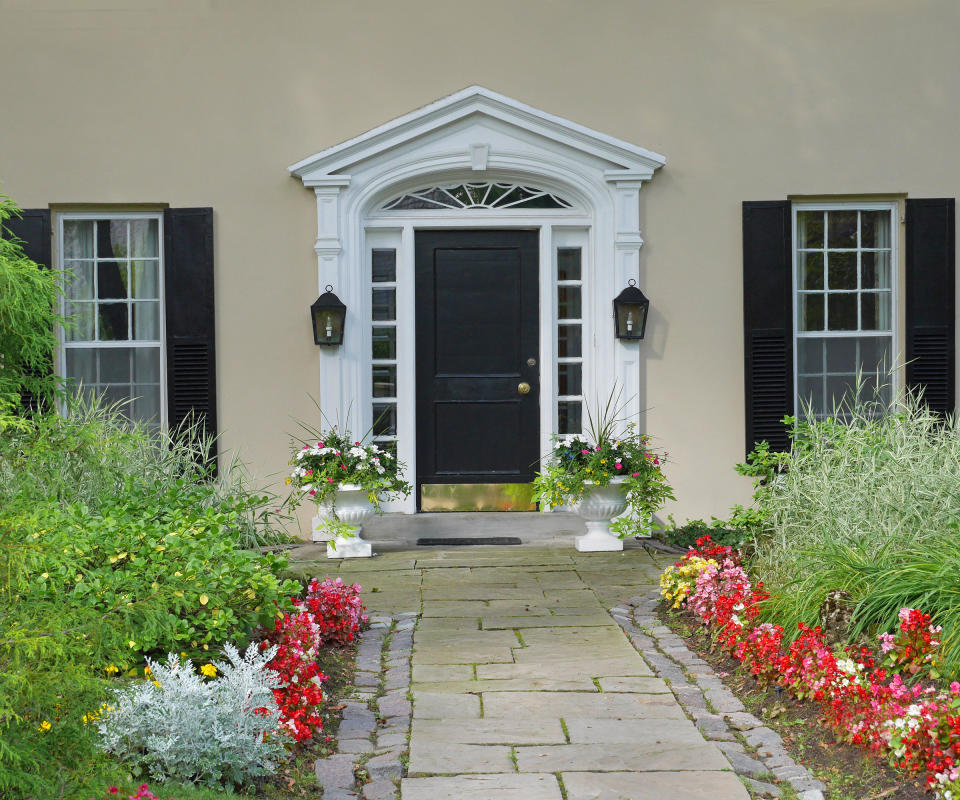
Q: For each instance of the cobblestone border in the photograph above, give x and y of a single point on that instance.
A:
(715, 710)
(374, 733)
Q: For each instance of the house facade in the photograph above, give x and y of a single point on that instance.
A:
(476, 183)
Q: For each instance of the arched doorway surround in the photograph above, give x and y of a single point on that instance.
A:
(475, 160)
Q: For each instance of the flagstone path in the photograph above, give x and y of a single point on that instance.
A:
(525, 688)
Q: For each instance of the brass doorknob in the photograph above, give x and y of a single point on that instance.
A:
(524, 388)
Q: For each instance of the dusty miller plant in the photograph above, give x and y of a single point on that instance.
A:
(182, 727)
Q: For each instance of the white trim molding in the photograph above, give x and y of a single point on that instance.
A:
(449, 142)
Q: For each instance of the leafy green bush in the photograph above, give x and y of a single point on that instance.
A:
(869, 505)
(114, 544)
(29, 318)
(686, 535)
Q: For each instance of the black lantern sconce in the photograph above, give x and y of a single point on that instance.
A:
(329, 317)
(630, 313)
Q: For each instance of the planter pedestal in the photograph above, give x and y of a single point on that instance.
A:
(598, 506)
(353, 507)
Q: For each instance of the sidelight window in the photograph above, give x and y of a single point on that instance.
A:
(569, 281)
(845, 266)
(384, 346)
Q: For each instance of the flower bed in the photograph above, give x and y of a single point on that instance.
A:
(886, 701)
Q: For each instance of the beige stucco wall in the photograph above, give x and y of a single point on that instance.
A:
(199, 102)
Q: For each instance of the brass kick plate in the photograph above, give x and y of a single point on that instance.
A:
(477, 497)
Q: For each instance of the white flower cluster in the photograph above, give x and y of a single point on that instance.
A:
(182, 727)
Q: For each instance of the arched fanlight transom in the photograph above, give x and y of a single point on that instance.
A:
(476, 195)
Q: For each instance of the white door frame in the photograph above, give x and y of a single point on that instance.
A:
(476, 136)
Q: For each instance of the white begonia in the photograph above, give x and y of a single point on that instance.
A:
(301, 454)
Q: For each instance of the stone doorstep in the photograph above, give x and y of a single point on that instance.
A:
(482, 787)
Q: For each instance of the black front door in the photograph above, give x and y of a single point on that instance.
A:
(477, 351)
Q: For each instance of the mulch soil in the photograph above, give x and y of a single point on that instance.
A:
(848, 772)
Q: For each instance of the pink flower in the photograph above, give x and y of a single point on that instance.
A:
(113, 790)
(656, 462)
(313, 492)
(309, 472)
(357, 444)
(585, 452)
(635, 475)
(597, 448)
(329, 480)
(955, 687)
(343, 466)
(886, 642)
(618, 466)
(305, 447)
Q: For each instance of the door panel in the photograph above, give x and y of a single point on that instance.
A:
(477, 325)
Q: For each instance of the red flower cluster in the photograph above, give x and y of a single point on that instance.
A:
(330, 614)
(887, 709)
(143, 793)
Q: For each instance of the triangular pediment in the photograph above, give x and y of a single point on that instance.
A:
(477, 102)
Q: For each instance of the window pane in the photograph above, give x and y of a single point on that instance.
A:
(78, 238)
(841, 229)
(839, 391)
(810, 355)
(569, 378)
(384, 303)
(842, 312)
(81, 328)
(875, 229)
(384, 265)
(146, 280)
(875, 311)
(81, 365)
(384, 342)
(113, 322)
(117, 394)
(810, 269)
(875, 269)
(79, 284)
(146, 364)
(112, 238)
(146, 405)
(384, 381)
(841, 354)
(568, 417)
(810, 391)
(568, 264)
(115, 366)
(143, 238)
(568, 341)
(875, 354)
(146, 321)
(568, 302)
(842, 270)
(810, 229)
(112, 280)
(811, 312)
(384, 419)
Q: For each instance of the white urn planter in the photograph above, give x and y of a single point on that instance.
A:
(598, 506)
(353, 507)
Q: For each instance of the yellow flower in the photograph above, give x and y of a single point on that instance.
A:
(147, 671)
(157, 684)
(44, 726)
(132, 644)
(111, 669)
(209, 670)
(204, 599)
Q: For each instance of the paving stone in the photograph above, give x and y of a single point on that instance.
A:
(385, 767)
(428, 758)
(693, 785)
(339, 794)
(743, 721)
(794, 771)
(355, 746)
(427, 673)
(811, 794)
(744, 765)
(636, 756)
(366, 679)
(335, 772)
(763, 789)
(482, 787)
(437, 705)
(368, 663)
(583, 705)
(394, 707)
(379, 790)
(385, 740)
(637, 684)
(617, 731)
(519, 731)
(807, 784)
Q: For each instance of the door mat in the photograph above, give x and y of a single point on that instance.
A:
(428, 542)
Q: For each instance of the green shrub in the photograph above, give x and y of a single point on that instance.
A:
(686, 535)
(868, 505)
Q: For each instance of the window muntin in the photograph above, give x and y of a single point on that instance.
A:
(844, 287)
(114, 292)
(384, 346)
(476, 195)
(569, 283)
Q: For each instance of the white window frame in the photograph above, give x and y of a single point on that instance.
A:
(61, 360)
(892, 207)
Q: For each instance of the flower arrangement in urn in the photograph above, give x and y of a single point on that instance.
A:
(602, 474)
(347, 479)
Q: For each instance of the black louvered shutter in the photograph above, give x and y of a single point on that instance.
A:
(767, 322)
(188, 285)
(33, 228)
(930, 302)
